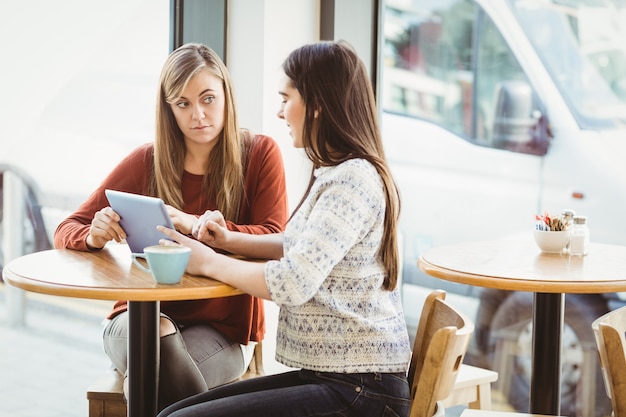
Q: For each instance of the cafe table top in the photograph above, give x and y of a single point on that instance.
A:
(107, 274)
(517, 264)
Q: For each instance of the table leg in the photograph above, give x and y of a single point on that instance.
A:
(143, 358)
(545, 380)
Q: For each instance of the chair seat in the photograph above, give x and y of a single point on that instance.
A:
(106, 396)
(472, 388)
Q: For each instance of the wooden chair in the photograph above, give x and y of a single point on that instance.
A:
(256, 364)
(609, 332)
(443, 335)
(482, 413)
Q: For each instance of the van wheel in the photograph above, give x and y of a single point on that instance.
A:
(515, 314)
(34, 232)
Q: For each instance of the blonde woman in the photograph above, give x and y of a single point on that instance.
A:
(200, 162)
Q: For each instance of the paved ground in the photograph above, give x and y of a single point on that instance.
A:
(47, 365)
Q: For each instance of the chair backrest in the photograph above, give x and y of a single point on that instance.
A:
(609, 332)
(442, 338)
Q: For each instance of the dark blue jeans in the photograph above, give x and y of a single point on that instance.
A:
(302, 394)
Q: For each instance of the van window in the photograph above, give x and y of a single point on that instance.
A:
(496, 68)
(581, 44)
(447, 62)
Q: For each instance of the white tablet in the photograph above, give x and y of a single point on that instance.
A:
(140, 215)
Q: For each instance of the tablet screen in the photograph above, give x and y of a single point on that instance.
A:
(140, 215)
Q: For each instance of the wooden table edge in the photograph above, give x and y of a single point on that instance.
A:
(583, 287)
(139, 294)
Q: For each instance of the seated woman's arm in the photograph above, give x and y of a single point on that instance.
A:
(211, 229)
(245, 275)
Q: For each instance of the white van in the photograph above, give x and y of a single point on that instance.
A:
(495, 111)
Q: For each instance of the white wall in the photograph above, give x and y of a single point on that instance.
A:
(261, 33)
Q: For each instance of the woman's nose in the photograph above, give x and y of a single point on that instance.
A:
(280, 114)
(198, 114)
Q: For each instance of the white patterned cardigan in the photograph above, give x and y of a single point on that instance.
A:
(334, 314)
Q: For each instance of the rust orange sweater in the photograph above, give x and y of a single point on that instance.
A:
(264, 210)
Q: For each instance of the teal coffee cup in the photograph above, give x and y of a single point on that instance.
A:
(166, 263)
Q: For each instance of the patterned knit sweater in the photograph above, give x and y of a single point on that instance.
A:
(334, 314)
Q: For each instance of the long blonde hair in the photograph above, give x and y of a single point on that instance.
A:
(341, 123)
(224, 178)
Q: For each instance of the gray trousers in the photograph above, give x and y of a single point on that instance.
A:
(193, 359)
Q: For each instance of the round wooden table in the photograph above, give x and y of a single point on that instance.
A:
(517, 264)
(109, 274)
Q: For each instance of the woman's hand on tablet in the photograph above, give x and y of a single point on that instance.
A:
(210, 228)
(105, 226)
(183, 222)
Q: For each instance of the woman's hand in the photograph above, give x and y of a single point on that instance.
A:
(211, 229)
(105, 226)
(182, 221)
(201, 255)
(204, 261)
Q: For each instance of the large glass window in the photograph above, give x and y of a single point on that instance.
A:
(442, 66)
(446, 61)
(79, 84)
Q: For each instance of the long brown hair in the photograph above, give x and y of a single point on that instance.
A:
(341, 123)
(224, 176)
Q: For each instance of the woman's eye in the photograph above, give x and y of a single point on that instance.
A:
(182, 104)
(209, 99)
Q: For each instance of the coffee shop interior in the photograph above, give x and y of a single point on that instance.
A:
(512, 261)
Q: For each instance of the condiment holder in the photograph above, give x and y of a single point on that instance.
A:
(551, 242)
(566, 233)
